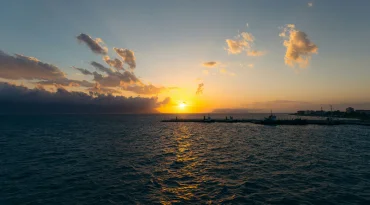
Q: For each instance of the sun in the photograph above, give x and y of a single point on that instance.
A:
(182, 105)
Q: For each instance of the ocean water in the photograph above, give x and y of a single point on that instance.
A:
(136, 159)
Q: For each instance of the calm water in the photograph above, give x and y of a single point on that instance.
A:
(122, 159)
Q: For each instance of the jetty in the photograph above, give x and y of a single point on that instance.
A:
(267, 121)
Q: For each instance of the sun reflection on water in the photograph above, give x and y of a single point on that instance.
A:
(182, 168)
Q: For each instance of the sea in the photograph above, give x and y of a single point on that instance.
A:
(137, 159)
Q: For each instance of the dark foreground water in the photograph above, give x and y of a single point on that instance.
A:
(121, 159)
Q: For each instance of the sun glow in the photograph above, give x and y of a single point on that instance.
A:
(182, 105)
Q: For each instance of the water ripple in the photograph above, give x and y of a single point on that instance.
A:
(120, 159)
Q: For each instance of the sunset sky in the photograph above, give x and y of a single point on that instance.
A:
(195, 56)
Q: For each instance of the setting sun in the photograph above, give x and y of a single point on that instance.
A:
(182, 105)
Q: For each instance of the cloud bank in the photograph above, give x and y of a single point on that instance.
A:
(299, 47)
(19, 99)
(29, 68)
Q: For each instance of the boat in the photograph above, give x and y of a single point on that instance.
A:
(272, 117)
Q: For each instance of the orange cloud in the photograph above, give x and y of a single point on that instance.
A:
(299, 47)
(255, 53)
(242, 42)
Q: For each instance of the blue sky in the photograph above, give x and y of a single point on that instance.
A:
(171, 40)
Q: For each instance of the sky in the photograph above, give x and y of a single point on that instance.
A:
(187, 56)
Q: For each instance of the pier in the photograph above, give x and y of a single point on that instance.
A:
(274, 122)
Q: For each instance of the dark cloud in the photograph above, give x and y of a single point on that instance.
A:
(102, 68)
(116, 79)
(116, 63)
(127, 56)
(210, 64)
(200, 89)
(18, 99)
(22, 67)
(94, 45)
(83, 71)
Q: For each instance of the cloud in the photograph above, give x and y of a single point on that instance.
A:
(205, 72)
(255, 53)
(67, 82)
(19, 99)
(94, 45)
(116, 63)
(310, 4)
(247, 37)
(210, 64)
(299, 47)
(97, 89)
(236, 47)
(83, 71)
(200, 89)
(115, 79)
(102, 68)
(144, 89)
(127, 56)
(125, 80)
(23, 67)
(242, 42)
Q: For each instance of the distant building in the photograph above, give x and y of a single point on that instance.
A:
(300, 112)
(319, 112)
(367, 112)
(350, 110)
(309, 112)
